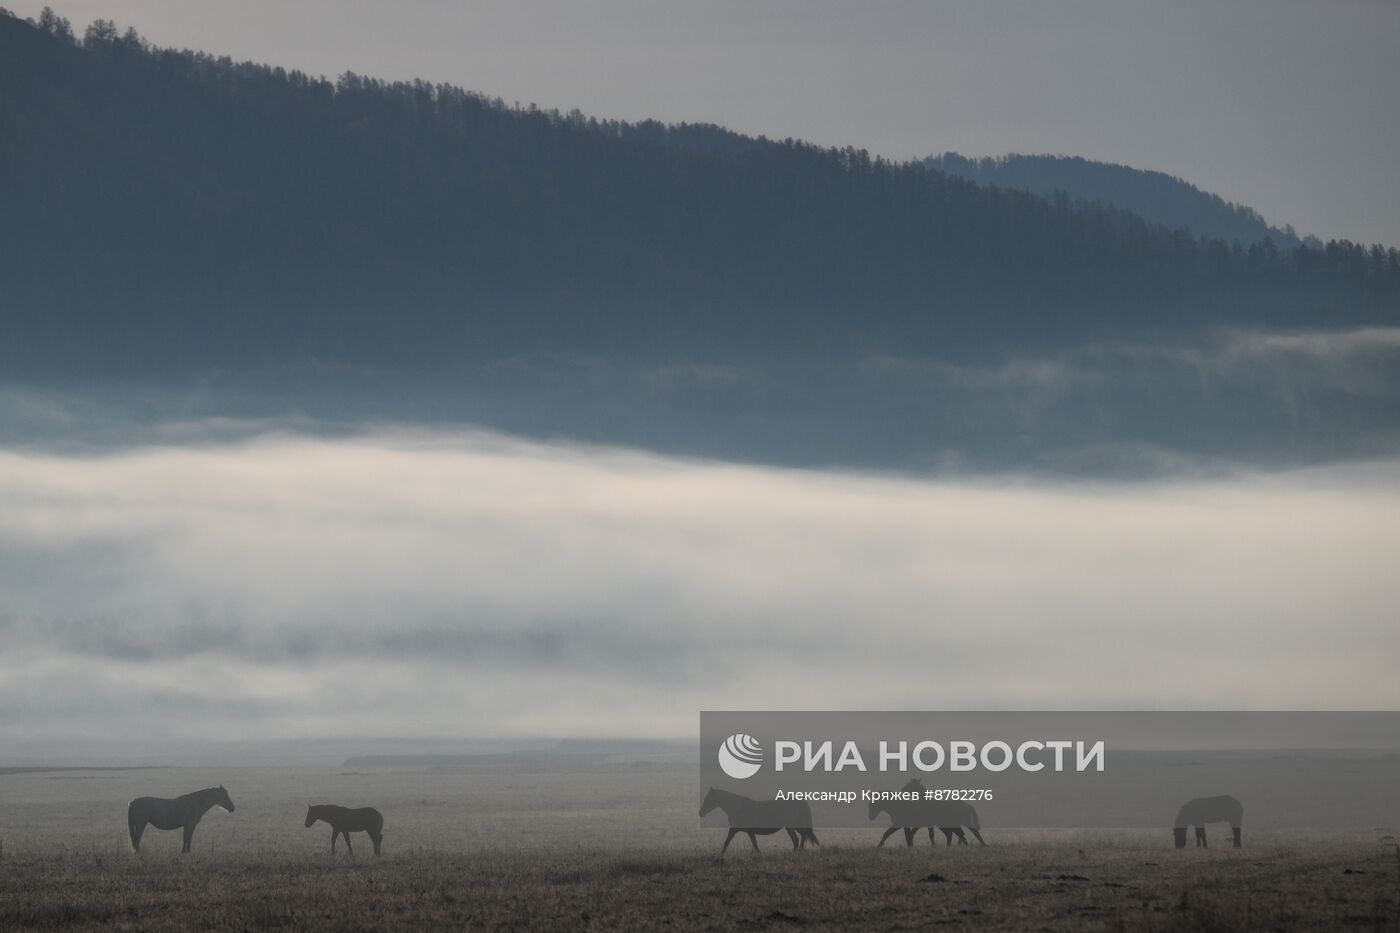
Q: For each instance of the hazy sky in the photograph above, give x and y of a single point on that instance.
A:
(464, 584)
(1286, 105)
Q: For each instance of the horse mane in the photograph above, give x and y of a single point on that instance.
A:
(200, 793)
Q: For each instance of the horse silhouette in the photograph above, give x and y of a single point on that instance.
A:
(178, 813)
(762, 818)
(902, 817)
(344, 821)
(1203, 810)
(950, 816)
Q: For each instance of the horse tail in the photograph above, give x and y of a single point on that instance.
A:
(974, 824)
(806, 828)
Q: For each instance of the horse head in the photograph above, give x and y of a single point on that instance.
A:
(711, 801)
(310, 815)
(222, 798)
(1179, 836)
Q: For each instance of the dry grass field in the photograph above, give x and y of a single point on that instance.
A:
(619, 848)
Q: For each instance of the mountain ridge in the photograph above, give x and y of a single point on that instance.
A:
(1156, 196)
(244, 214)
(193, 241)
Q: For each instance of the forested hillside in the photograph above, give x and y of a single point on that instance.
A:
(169, 209)
(1156, 196)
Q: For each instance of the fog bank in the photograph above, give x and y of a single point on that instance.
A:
(440, 584)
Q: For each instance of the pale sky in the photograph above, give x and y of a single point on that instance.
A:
(1286, 105)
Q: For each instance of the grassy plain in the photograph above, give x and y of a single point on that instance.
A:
(619, 847)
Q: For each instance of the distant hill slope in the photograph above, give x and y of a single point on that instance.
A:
(186, 238)
(168, 210)
(1156, 196)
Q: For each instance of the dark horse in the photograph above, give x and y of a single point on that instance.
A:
(762, 818)
(1203, 810)
(344, 821)
(950, 816)
(181, 813)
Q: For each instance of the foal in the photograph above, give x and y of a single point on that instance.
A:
(344, 820)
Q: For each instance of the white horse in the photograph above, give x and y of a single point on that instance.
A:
(762, 818)
(1203, 810)
(180, 813)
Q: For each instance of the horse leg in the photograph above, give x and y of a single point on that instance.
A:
(728, 839)
(136, 828)
(1201, 838)
(978, 835)
(1236, 831)
(792, 834)
(753, 841)
(189, 834)
(909, 832)
(376, 838)
(932, 839)
(348, 845)
(947, 835)
(888, 833)
(334, 832)
(962, 837)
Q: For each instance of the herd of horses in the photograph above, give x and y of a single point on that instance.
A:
(754, 818)
(185, 812)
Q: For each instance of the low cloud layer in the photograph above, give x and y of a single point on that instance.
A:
(464, 584)
(1267, 400)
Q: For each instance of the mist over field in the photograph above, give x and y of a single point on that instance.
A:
(364, 405)
(460, 420)
(445, 583)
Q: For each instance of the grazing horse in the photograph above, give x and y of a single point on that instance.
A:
(344, 821)
(180, 813)
(1203, 810)
(762, 818)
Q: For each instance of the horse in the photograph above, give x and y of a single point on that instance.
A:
(909, 815)
(762, 818)
(344, 821)
(180, 813)
(947, 815)
(1203, 810)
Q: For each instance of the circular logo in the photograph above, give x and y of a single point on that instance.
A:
(740, 756)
